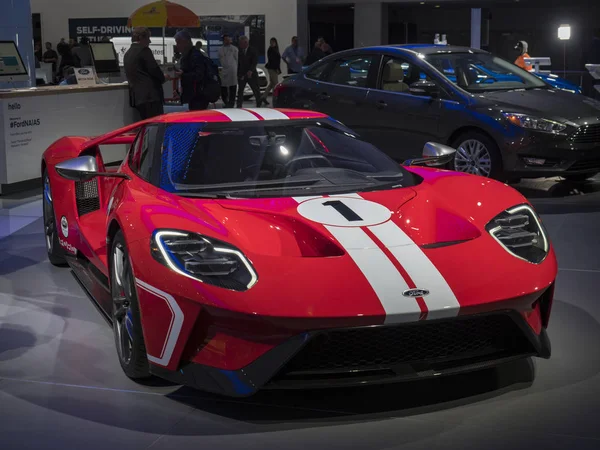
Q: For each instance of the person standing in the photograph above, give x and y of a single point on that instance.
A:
(316, 54)
(38, 52)
(50, 56)
(273, 67)
(145, 77)
(228, 57)
(294, 57)
(66, 58)
(192, 72)
(247, 73)
(83, 53)
(325, 46)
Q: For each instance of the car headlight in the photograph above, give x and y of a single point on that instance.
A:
(204, 259)
(521, 233)
(535, 123)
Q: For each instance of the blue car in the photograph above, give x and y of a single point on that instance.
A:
(505, 122)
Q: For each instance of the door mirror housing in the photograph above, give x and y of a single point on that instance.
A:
(425, 88)
(83, 168)
(434, 155)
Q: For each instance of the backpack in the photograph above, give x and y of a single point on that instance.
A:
(212, 81)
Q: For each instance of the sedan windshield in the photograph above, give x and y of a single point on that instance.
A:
(481, 72)
(275, 159)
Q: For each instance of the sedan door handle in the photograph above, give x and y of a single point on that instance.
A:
(323, 96)
(381, 104)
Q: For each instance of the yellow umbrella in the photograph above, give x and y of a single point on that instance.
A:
(162, 14)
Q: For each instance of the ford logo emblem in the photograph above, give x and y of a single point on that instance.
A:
(415, 293)
(84, 72)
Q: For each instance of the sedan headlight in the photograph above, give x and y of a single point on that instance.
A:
(521, 233)
(535, 123)
(204, 259)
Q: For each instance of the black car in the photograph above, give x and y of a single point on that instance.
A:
(504, 122)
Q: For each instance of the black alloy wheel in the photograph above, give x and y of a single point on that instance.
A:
(53, 248)
(127, 326)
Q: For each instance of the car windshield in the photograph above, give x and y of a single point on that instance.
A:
(482, 72)
(276, 159)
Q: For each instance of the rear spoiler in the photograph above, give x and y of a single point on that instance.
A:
(125, 135)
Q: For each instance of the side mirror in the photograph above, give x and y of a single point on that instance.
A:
(83, 168)
(434, 155)
(425, 88)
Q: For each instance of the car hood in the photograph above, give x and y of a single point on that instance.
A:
(547, 103)
(435, 211)
(313, 258)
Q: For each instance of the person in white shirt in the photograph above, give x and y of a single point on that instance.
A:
(228, 57)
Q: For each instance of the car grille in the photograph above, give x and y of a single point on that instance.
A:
(86, 196)
(364, 349)
(587, 134)
(593, 164)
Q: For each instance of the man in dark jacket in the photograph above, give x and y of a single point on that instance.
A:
(247, 74)
(144, 75)
(316, 54)
(192, 72)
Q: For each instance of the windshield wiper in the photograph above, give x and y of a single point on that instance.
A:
(285, 182)
(202, 195)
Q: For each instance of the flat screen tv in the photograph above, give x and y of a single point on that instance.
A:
(105, 57)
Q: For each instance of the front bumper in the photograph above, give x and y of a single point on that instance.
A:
(561, 154)
(378, 354)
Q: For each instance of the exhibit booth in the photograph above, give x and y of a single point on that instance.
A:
(32, 118)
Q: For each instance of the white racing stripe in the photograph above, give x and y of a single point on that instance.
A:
(268, 113)
(174, 327)
(441, 301)
(386, 281)
(303, 199)
(238, 115)
(380, 272)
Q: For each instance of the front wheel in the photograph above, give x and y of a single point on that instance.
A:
(53, 248)
(477, 154)
(127, 324)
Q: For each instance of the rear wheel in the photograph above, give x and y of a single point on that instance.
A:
(477, 154)
(127, 325)
(53, 248)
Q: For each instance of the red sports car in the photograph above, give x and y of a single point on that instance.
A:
(244, 249)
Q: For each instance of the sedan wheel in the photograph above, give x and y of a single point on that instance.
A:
(473, 157)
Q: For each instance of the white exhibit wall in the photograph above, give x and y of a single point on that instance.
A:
(280, 15)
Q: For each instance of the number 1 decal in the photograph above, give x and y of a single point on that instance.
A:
(341, 211)
(344, 210)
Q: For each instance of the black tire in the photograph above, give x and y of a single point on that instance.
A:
(53, 248)
(495, 171)
(127, 324)
(580, 177)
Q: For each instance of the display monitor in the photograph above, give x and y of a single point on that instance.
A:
(105, 57)
(11, 63)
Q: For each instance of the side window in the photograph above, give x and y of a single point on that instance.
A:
(142, 150)
(316, 73)
(353, 71)
(397, 75)
(134, 160)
